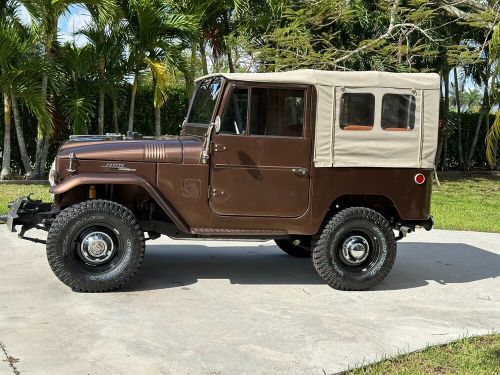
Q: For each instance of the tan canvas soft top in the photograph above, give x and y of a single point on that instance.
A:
(335, 146)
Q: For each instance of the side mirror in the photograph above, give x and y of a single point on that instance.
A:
(217, 124)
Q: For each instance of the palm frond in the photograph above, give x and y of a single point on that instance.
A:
(78, 111)
(493, 136)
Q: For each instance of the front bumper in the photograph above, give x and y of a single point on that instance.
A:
(29, 214)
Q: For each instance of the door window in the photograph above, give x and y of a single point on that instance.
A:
(277, 112)
(234, 120)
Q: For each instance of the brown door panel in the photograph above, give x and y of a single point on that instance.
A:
(262, 151)
(253, 191)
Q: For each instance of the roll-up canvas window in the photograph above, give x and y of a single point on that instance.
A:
(393, 141)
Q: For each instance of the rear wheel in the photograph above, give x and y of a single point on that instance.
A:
(95, 246)
(297, 246)
(356, 250)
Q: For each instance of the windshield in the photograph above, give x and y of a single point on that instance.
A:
(204, 101)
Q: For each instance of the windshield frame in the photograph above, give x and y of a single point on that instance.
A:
(201, 128)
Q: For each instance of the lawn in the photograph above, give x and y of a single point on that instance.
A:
(462, 202)
(467, 202)
(9, 192)
(476, 355)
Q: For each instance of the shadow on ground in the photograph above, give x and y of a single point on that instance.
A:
(179, 265)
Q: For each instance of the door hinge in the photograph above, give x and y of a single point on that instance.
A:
(219, 148)
(213, 192)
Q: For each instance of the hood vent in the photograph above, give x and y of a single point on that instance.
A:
(155, 151)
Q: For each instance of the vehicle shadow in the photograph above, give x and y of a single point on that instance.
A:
(180, 265)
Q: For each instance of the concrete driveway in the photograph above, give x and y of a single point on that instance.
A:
(243, 308)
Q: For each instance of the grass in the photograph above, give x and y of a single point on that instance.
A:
(462, 202)
(467, 202)
(9, 192)
(475, 355)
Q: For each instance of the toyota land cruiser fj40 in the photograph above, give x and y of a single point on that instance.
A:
(336, 166)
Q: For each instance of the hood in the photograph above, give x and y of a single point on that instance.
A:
(170, 149)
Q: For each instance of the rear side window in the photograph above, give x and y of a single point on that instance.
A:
(398, 112)
(277, 112)
(357, 111)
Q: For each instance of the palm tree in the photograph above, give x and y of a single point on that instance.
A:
(106, 37)
(45, 15)
(20, 67)
(108, 41)
(471, 99)
(493, 135)
(156, 34)
(78, 101)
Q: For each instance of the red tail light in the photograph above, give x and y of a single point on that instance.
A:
(419, 178)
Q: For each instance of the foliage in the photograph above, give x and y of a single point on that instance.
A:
(494, 134)
(469, 123)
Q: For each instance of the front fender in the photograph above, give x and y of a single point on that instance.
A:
(121, 179)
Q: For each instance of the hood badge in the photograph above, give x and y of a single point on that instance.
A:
(71, 160)
(118, 166)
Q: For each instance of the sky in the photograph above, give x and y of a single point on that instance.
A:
(75, 19)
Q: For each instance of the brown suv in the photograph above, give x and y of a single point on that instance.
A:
(328, 164)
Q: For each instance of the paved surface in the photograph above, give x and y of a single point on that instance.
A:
(236, 308)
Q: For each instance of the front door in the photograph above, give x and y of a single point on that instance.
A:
(261, 158)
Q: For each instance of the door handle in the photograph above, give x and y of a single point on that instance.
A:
(300, 171)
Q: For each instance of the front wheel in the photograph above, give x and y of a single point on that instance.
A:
(356, 250)
(95, 246)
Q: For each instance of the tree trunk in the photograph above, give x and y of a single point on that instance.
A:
(41, 137)
(101, 112)
(203, 55)
(192, 71)
(5, 173)
(496, 156)
(43, 142)
(115, 120)
(45, 155)
(444, 164)
(20, 138)
(157, 121)
(132, 103)
(459, 121)
(484, 112)
(230, 60)
(442, 121)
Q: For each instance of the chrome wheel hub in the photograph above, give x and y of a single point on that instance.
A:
(97, 247)
(355, 250)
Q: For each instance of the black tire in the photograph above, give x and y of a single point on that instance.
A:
(356, 249)
(302, 250)
(95, 246)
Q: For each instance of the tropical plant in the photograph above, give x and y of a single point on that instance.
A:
(156, 35)
(20, 71)
(494, 133)
(107, 39)
(45, 15)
